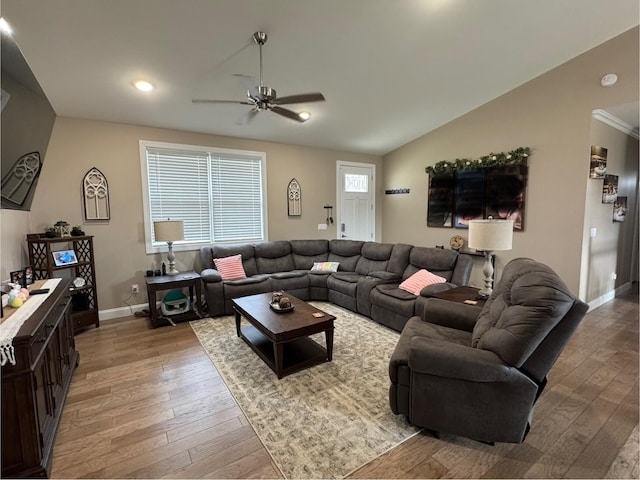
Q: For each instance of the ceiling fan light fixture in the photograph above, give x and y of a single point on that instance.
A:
(143, 86)
(304, 116)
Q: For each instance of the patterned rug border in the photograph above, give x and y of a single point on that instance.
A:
(231, 386)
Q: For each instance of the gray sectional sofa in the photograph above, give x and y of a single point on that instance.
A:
(366, 281)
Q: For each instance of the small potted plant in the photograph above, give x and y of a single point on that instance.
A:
(77, 231)
(50, 232)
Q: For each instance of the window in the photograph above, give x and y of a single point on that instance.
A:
(218, 193)
(356, 183)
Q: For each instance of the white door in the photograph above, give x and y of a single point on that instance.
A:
(356, 200)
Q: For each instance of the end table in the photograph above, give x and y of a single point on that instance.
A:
(462, 295)
(189, 279)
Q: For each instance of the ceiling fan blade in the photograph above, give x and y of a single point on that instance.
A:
(247, 117)
(198, 100)
(302, 98)
(286, 113)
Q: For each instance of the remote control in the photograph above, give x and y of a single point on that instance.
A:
(39, 291)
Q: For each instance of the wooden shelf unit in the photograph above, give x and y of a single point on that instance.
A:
(84, 302)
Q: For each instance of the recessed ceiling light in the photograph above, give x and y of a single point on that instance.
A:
(143, 85)
(5, 27)
(609, 80)
(304, 116)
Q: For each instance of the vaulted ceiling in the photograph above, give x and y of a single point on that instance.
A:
(390, 70)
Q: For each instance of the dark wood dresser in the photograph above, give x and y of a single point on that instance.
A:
(35, 388)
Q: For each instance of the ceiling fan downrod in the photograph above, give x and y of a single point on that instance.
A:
(260, 38)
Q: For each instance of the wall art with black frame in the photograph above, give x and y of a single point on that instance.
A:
(456, 198)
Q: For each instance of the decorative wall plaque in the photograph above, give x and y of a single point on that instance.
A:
(294, 198)
(95, 195)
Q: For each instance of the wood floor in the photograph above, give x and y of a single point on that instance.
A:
(149, 404)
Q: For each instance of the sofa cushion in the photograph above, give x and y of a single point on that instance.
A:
(395, 292)
(374, 257)
(293, 280)
(346, 252)
(230, 268)
(437, 260)
(306, 252)
(349, 277)
(422, 278)
(272, 257)
(344, 282)
(244, 249)
(527, 304)
(325, 266)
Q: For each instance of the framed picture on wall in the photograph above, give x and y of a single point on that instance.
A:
(440, 200)
(620, 209)
(505, 197)
(610, 189)
(470, 196)
(598, 164)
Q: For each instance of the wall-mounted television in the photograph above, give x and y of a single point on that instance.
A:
(26, 124)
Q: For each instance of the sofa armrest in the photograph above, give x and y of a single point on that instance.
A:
(210, 275)
(450, 314)
(387, 277)
(450, 360)
(462, 270)
(435, 288)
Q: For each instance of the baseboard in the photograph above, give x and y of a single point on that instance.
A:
(120, 312)
(607, 297)
(113, 313)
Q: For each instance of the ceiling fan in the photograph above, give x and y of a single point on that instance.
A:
(260, 97)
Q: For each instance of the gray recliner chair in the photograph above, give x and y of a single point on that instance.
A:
(477, 372)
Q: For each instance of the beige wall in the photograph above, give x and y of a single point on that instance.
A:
(613, 249)
(552, 115)
(14, 226)
(77, 145)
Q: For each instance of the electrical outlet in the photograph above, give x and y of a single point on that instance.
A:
(614, 276)
(135, 288)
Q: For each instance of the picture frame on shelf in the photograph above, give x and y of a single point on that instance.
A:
(28, 276)
(17, 277)
(64, 257)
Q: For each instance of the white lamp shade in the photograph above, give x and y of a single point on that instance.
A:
(168, 230)
(490, 235)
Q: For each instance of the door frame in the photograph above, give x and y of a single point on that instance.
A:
(372, 190)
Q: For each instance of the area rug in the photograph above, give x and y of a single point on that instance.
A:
(327, 420)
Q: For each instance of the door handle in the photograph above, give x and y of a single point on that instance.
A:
(342, 227)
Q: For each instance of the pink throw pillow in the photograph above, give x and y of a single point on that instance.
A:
(230, 268)
(416, 282)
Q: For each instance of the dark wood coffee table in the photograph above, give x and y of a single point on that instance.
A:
(282, 340)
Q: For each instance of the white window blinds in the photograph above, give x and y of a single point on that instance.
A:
(217, 193)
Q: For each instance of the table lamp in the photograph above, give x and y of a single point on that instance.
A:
(169, 231)
(488, 236)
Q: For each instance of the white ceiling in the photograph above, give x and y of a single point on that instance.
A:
(390, 70)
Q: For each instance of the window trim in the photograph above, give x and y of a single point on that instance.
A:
(146, 210)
